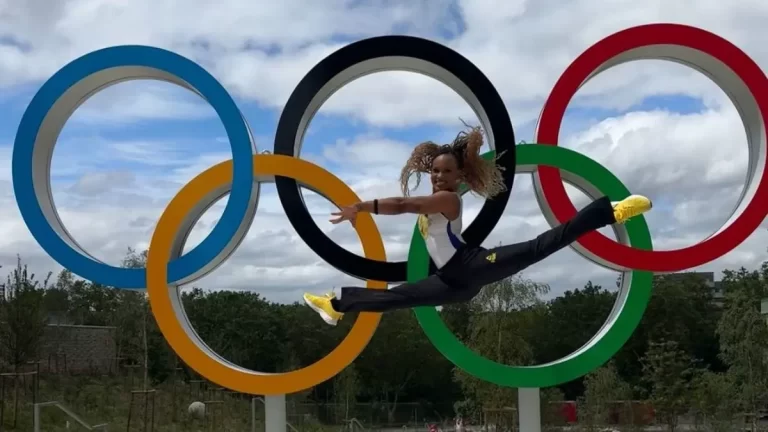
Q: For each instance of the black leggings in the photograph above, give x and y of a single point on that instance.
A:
(471, 268)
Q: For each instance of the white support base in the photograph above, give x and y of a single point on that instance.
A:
(275, 419)
(529, 409)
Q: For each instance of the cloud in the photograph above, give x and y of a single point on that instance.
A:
(274, 260)
(260, 51)
(113, 174)
(140, 101)
(102, 183)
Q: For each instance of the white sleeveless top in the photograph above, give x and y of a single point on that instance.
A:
(442, 236)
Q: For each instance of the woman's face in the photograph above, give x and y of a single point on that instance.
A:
(445, 174)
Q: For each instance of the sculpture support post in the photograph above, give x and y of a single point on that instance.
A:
(274, 414)
(529, 409)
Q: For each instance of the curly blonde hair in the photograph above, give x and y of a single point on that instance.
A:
(483, 177)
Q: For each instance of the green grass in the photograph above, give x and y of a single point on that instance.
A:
(107, 400)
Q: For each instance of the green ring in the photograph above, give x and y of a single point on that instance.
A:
(594, 353)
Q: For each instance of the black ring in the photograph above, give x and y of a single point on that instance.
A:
(295, 119)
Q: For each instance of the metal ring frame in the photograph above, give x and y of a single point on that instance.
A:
(57, 99)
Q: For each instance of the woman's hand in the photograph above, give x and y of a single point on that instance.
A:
(346, 214)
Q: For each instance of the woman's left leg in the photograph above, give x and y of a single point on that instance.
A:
(430, 291)
(498, 263)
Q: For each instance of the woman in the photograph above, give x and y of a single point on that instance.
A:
(462, 270)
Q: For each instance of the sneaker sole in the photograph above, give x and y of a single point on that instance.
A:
(328, 320)
(634, 196)
(650, 202)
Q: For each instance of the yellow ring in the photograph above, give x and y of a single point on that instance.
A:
(159, 292)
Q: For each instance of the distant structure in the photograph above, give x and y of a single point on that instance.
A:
(764, 309)
(709, 279)
(719, 292)
(79, 349)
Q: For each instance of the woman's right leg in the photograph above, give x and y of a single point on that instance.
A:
(505, 261)
(431, 291)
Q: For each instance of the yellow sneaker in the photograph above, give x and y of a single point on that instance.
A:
(630, 207)
(322, 305)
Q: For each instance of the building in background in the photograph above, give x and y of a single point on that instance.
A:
(718, 296)
(718, 292)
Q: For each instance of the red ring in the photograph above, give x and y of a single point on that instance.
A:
(574, 76)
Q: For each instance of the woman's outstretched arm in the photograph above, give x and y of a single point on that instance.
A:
(440, 202)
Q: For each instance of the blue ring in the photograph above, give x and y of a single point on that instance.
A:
(196, 77)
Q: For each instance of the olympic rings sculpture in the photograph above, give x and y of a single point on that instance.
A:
(241, 176)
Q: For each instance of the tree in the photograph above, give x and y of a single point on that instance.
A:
(744, 337)
(139, 260)
(457, 318)
(682, 310)
(346, 388)
(504, 314)
(602, 388)
(670, 372)
(715, 401)
(22, 317)
(92, 304)
(56, 301)
(568, 322)
(243, 328)
(398, 359)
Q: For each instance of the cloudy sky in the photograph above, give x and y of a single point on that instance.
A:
(667, 131)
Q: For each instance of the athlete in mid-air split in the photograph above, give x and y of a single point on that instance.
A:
(462, 269)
